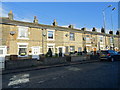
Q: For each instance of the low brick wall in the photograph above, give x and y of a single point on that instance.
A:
(14, 64)
(117, 57)
(80, 58)
(51, 60)
(94, 57)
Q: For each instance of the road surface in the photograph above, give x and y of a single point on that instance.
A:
(89, 75)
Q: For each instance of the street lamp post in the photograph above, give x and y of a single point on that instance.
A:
(112, 27)
(43, 35)
(104, 21)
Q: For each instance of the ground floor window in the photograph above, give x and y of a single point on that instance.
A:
(3, 50)
(22, 50)
(79, 49)
(72, 48)
(101, 48)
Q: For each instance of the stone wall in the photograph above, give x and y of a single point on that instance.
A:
(58, 60)
(80, 58)
(15, 64)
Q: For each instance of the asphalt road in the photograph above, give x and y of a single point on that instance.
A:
(89, 75)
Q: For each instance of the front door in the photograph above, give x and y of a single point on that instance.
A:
(61, 51)
(35, 52)
(3, 52)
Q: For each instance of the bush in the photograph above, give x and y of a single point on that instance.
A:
(79, 53)
(56, 55)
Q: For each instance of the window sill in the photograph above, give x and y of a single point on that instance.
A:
(72, 40)
(23, 38)
(50, 39)
(22, 56)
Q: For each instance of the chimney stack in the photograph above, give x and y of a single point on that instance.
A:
(55, 22)
(10, 15)
(83, 29)
(94, 29)
(35, 20)
(70, 26)
(118, 33)
(110, 32)
(102, 30)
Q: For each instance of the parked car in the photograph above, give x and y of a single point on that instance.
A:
(108, 55)
(119, 53)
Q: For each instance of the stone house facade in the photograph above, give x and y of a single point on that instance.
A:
(26, 38)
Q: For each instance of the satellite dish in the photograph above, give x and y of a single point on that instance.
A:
(12, 33)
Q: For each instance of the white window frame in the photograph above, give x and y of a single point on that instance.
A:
(36, 47)
(53, 34)
(73, 38)
(100, 39)
(4, 49)
(18, 49)
(19, 30)
(111, 40)
(70, 48)
(79, 49)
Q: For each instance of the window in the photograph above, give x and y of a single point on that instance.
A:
(22, 32)
(50, 35)
(111, 40)
(1, 51)
(72, 48)
(101, 39)
(87, 39)
(87, 36)
(22, 50)
(72, 37)
(93, 39)
(101, 48)
(79, 49)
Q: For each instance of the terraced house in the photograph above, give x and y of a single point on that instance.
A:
(26, 38)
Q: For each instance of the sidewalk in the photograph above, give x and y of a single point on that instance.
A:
(45, 67)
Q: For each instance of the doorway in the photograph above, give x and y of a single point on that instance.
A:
(35, 52)
(61, 51)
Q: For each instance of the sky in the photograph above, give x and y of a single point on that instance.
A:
(80, 14)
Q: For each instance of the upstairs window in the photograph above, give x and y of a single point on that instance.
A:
(72, 36)
(111, 39)
(101, 39)
(87, 36)
(88, 39)
(50, 35)
(22, 32)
